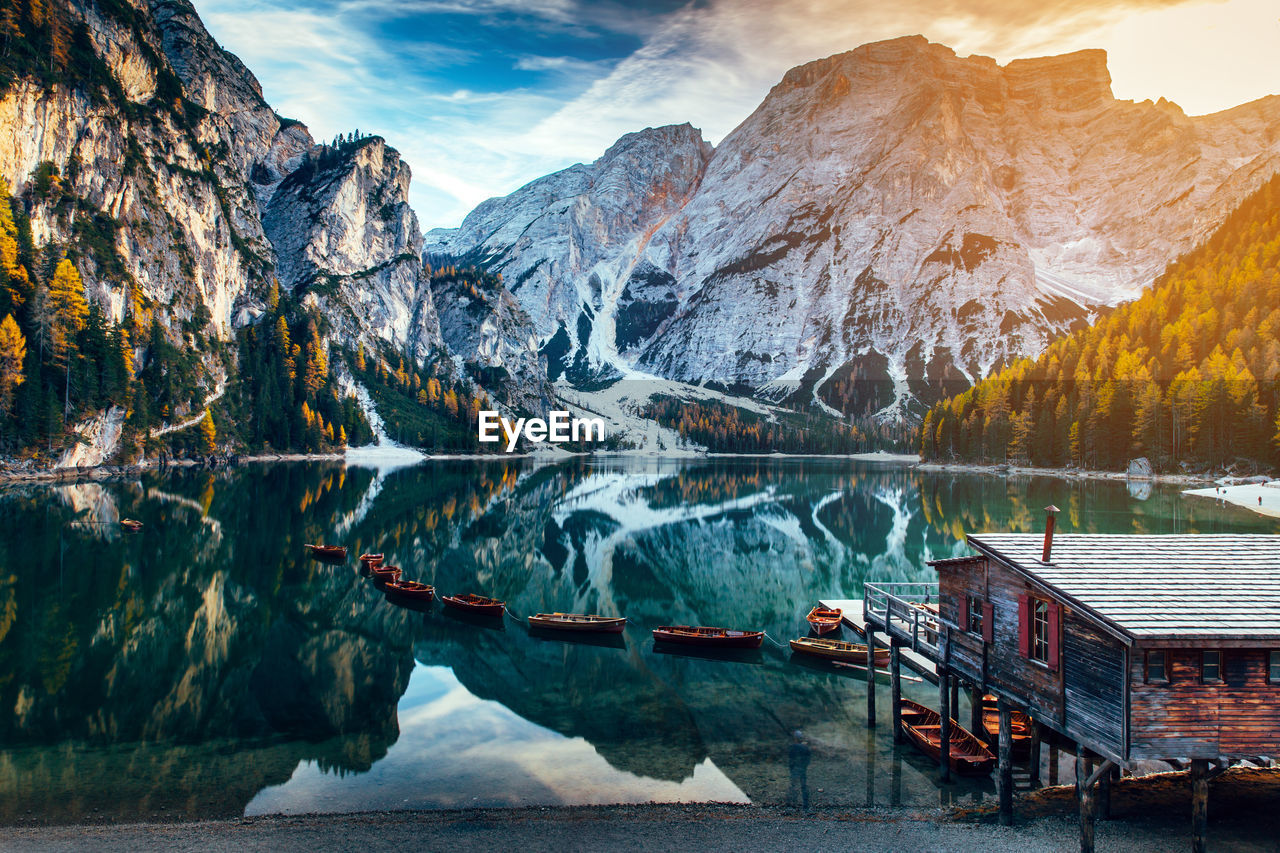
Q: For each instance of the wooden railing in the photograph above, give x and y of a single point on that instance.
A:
(903, 610)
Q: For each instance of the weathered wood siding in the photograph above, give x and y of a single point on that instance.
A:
(1083, 698)
(1093, 683)
(1187, 719)
(954, 584)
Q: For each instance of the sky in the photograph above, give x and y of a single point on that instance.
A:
(483, 96)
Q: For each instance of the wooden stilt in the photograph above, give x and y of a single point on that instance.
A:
(1034, 758)
(975, 713)
(895, 690)
(955, 696)
(1084, 792)
(1053, 765)
(1199, 804)
(1104, 796)
(944, 702)
(871, 677)
(1004, 755)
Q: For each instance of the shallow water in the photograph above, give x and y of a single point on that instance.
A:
(206, 667)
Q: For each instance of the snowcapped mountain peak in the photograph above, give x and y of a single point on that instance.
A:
(889, 223)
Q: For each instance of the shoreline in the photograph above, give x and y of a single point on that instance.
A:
(1063, 473)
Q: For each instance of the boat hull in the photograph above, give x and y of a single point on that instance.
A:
(1021, 728)
(476, 605)
(922, 726)
(824, 621)
(841, 651)
(583, 623)
(411, 590)
(710, 638)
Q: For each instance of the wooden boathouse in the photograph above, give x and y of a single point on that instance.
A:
(1121, 648)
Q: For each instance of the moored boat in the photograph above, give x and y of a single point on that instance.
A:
(578, 622)
(824, 647)
(923, 726)
(411, 589)
(722, 638)
(368, 561)
(385, 574)
(471, 603)
(1020, 727)
(130, 524)
(824, 620)
(327, 552)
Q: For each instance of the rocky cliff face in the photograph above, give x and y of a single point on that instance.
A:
(887, 219)
(179, 190)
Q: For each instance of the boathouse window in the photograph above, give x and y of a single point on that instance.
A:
(1273, 667)
(1156, 671)
(1040, 631)
(1039, 622)
(1211, 667)
(975, 614)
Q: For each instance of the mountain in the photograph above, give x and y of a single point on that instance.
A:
(145, 154)
(1187, 374)
(890, 224)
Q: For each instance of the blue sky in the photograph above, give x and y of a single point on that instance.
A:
(482, 96)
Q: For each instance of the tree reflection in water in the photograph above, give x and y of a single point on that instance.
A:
(184, 669)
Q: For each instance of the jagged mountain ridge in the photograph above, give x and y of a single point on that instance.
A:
(895, 214)
(207, 197)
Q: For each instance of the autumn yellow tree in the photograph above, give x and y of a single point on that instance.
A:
(67, 305)
(13, 351)
(208, 433)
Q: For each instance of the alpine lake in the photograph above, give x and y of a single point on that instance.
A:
(207, 667)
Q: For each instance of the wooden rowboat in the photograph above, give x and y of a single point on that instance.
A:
(1020, 727)
(327, 552)
(411, 589)
(471, 603)
(578, 622)
(824, 621)
(385, 574)
(721, 638)
(368, 561)
(969, 756)
(838, 650)
(131, 525)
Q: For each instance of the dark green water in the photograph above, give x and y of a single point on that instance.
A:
(205, 667)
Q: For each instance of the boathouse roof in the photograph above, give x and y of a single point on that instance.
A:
(1180, 586)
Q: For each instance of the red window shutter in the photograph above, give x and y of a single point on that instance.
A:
(1055, 619)
(1024, 626)
(988, 622)
(964, 613)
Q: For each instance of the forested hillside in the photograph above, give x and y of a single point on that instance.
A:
(1185, 374)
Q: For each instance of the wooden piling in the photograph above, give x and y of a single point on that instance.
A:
(1034, 758)
(1199, 804)
(1084, 792)
(944, 733)
(1004, 782)
(895, 690)
(871, 677)
(1053, 764)
(1104, 796)
(975, 713)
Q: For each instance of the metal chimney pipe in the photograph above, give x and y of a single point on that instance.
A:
(1051, 513)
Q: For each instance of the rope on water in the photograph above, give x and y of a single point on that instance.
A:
(509, 612)
(775, 642)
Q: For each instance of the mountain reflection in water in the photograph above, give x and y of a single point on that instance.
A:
(205, 666)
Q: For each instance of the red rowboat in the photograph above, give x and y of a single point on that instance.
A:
(472, 603)
(721, 638)
(327, 552)
(824, 621)
(411, 589)
(969, 756)
(1020, 727)
(839, 650)
(578, 622)
(131, 525)
(370, 560)
(385, 574)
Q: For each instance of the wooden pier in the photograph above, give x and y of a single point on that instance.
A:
(1119, 648)
(854, 617)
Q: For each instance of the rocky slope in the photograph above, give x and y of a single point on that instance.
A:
(888, 219)
(179, 191)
